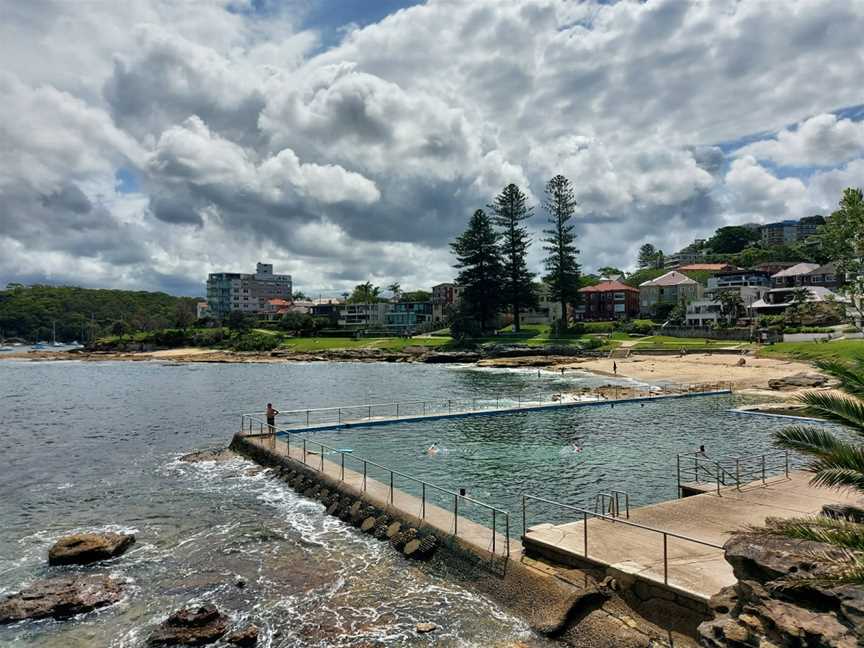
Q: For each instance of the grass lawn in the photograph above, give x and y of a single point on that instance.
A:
(390, 344)
(667, 342)
(840, 350)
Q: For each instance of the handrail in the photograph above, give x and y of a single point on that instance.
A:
(585, 513)
(457, 497)
(753, 465)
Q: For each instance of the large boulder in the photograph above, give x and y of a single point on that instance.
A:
(244, 638)
(797, 381)
(83, 548)
(61, 598)
(191, 627)
(782, 598)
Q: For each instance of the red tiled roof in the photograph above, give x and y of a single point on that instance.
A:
(278, 302)
(608, 286)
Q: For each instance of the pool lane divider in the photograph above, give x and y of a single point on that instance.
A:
(493, 412)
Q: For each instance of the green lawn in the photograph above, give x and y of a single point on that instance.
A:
(840, 350)
(305, 344)
(665, 341)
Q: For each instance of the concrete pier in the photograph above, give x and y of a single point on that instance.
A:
(692, 569)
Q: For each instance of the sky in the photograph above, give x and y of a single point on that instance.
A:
(146, 143)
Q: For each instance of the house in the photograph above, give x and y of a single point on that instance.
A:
(275, 308)
(706, 267)
(777, 300)
(202, 310)
(373, 314)
(608, 300)
(738, 279)
(445, 297)
(548, 311)
(405, 318)
(703, 312)
(794, 276)
(670, 289)
(825, 276)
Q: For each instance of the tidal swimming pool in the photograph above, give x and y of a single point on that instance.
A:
(631, 447)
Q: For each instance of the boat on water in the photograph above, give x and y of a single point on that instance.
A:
(40, 345)
(7, 348)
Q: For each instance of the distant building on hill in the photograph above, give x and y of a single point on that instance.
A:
(789, 231)
(248, 293)
(671, 288)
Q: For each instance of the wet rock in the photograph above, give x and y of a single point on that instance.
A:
(84, 548)
(212, 454)
(393, 528)
(797, 381)
(61, 598)
(191, 627)
(245, 637)
(421, 548)
(426, 627)
(442, 357)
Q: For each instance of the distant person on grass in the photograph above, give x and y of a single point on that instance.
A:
(271, 418)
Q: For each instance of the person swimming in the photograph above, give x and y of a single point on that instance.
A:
(433, 449)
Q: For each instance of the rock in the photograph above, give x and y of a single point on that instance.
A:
(441, 357)
(247, 636)
(240, 583)
(764, 558)
(797, 381)
(213, 454)
(423, 628)
(61, 598)
(83, 548)
(191, 627)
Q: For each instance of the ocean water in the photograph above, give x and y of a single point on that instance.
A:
(95, 446)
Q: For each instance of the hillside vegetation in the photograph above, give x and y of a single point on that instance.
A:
(84, 313)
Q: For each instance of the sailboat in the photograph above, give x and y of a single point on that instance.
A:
(54, 341)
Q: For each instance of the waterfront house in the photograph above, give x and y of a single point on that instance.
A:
(777, 300)
(608, 300)
(406, 318)
(795, 276)
(372, 314)
(670, 289)
(445, 297)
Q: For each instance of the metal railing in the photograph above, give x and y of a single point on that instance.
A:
(426, 489)
(610, 503)
(311, 417)
(586, 514)
(696, 468)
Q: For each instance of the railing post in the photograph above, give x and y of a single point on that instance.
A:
(474, 406)
(449, 406)
(342, 476)
(307, 418)
(585, 531)
(665, 561)
(424, 408)
(763, 469)
(696, 467)
(524, 529)
(288, 441)
(364, 475)
(391, 486)
(370, 413)
(678, 466)
(397, 410)
(304, 451)
(423, 503)
(456, 514)
(340, 416)
(738, 472)
(507, 532)
(787, 464)
(322, 456)
(493, 531)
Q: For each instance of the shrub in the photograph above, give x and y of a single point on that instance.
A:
(599, 327)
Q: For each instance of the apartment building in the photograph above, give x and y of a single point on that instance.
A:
(608, 300)
(248, 293)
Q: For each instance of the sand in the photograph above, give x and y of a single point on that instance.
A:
(700, 369)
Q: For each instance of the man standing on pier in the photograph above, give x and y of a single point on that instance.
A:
(271, 418)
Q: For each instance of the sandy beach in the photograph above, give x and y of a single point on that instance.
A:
(754, 375)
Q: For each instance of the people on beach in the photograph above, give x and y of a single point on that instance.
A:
(614, 367)
(271, 418)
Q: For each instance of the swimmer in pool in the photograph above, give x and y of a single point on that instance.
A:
(432, 449)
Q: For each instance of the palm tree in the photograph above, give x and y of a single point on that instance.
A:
(835, 463)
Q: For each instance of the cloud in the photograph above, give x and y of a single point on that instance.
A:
(823, 140)
(248, 140)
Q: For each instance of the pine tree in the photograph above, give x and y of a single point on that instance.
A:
(647, 256)
(510, 210)
(479, 262)
(563, 277)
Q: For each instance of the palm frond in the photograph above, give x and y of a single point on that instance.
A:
(809, 440)
(836, 477)
(838, 532)
(842, 569)
(836, 407)
(851, 377)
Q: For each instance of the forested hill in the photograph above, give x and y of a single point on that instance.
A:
(82, 313)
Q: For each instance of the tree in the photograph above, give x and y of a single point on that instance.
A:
(479, 262)
(184, 315)
(510, 209)
(647, 256)
(396, 289)
(731, 305)
(365, 293)
(842, 238)
(415, 296)
(800, 298)
(240, 321)
(610, 271)
(732, 239)
(561, 265)
(837, 462)
(299, 295)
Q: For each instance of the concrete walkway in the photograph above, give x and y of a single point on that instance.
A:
(692, 568)
(436, 509)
